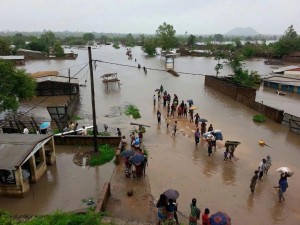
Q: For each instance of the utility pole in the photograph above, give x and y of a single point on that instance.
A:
(69, 73)
(93, 100)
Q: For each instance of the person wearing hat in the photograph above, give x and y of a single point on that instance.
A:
(195, 212)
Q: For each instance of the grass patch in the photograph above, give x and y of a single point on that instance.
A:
(75, 118)
(104, 155)
(259, 118)
(55, 218)
(132, 110)
(56, 131)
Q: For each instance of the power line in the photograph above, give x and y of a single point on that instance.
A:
(71, 67)
(148, 68)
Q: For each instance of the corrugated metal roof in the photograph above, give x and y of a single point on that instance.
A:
(282, 69)
(60, 79)
(12, 57)
(14, 148)
(283, 80)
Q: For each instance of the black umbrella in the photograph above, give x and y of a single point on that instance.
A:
(171, 194)
(127, 153)
(203, 120)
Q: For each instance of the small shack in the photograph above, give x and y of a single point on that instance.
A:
(110, 78)
(49, 83)
(30, 54)
(23, 160)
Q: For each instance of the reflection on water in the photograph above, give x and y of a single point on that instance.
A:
(175, 162)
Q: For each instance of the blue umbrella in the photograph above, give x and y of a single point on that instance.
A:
(190, 101)
(137, 159)
(44, 125)
(127, 153)
(220, 218)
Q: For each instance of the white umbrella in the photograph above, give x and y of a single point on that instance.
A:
(285, 170)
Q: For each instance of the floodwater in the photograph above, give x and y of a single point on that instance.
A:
(175, 162)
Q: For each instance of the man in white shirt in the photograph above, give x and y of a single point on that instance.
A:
(262, 168)
(25, 131)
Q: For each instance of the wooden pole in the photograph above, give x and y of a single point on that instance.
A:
(93, 100)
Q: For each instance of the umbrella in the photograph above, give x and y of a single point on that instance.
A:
(137, 159)
(193, 107)
(157, 89)
(190, 101)
(285, 169)
(203, 120)
(44, 125)
(127, 153)
(171, 194)
(220, 218)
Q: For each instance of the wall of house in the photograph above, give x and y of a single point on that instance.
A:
(245, 96)
(85, 140)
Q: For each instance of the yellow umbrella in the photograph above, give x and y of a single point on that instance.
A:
(193, 107)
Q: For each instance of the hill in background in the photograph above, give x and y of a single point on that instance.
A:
(242, 31)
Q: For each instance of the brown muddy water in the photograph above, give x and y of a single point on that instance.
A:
(175, 162)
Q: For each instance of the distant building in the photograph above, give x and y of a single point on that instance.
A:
(29, 54)
(16, 59)
(292, 57)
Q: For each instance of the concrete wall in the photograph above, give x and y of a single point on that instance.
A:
(85, 140)
(103, 198)
(245, 96)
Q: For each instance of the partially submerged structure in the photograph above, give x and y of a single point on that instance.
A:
(285, 78)
(23, 160)
(16, 59)
(110, 78)
(49, 83)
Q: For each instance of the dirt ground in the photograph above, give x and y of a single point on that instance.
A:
(138, 207)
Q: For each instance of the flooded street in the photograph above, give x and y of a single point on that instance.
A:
(175, 162)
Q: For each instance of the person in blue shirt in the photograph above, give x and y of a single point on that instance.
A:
(282, 186)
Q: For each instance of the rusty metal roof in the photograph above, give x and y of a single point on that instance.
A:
(14, 148)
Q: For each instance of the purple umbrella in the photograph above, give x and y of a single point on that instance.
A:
(171, 194)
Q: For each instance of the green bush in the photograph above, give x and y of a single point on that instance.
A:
(132, 110)
(116, 46)
(104, 155)
(259, 118)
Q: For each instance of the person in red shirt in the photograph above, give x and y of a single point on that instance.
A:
(205, 217)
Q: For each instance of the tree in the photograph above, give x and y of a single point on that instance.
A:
(150, 46)
(130, 41)
(59, 51)
(15, 86)
(166, 36)
(219, 38)
(142, 38)
(4, 47)
(288, 43)
(19, 40)
(191, 41)
(88, 36)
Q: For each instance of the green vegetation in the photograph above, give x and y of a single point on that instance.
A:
(55, 131)
(259, 118)
(15, 86)
(104, 155)
(75, 118)
(132, 110)
(149, 46)
(116, 45)
(166, 36)
(191, 41)
(4, 47)
(88, 36)
(54, 218)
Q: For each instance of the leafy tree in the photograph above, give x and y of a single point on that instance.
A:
(59, 51)
(19, 40)
(191, 41)
(88, 36)
(150, 46)
(166, 36)
(103, 39)
(15, 86)
(4, 47)
(288, 43)
(37, 45)
(142, 37)
(130, 41)
(219, 38)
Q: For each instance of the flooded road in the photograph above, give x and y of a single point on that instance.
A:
(176, 162)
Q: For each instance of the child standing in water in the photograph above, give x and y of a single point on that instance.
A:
(253, 181)
(226, 154)
(268, 164)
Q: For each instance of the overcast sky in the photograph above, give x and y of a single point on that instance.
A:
(144, 16)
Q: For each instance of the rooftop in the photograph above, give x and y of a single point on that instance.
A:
(283, 80)
(15, 148)
(12, 57)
